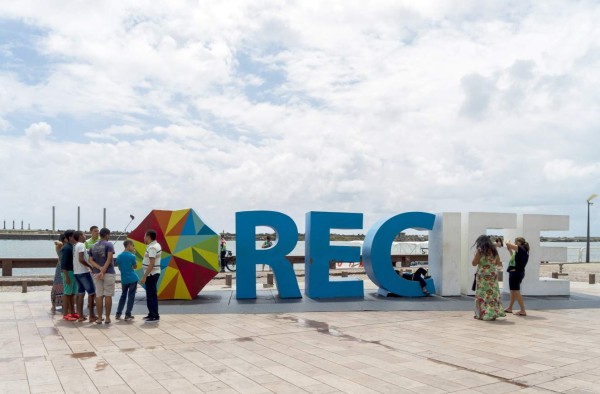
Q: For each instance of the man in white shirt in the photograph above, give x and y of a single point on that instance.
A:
(81, 269)
(151, 265)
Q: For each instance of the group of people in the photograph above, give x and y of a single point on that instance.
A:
(88, 266)
(488, 305)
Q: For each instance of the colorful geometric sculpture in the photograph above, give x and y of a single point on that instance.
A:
(189, 257)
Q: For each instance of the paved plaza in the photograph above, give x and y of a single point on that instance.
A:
(437, 349)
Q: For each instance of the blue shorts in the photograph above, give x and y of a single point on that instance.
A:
(85, 283)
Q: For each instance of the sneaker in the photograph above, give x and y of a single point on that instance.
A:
(146, 318)
(69, 318)
(129, 317)
(118, 316)
(153, 320)
(75, 315)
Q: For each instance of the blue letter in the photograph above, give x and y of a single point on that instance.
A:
(377, 252)
(248, 256)
(319, 253)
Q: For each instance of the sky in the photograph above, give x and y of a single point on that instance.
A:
(377, 107)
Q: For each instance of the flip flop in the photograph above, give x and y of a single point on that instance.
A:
(521, 314)
(508, 311)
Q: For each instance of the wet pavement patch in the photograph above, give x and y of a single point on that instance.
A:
(49, 331)
(325, 328)
(83, 355)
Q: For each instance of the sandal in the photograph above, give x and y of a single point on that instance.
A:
(508, 311)
(107, 321)
(521, 313)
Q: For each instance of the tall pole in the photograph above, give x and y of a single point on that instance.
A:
(78, 218)
(53, 218)
(587, 246)
(104, 218)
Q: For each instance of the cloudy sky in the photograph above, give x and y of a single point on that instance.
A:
(296, 106)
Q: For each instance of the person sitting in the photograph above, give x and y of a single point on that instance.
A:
(418, 276)
(267, 244)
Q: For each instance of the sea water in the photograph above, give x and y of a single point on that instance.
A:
(45, 249)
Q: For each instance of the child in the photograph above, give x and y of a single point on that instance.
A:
(129, 280)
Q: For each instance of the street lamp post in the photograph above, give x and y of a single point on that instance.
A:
(587, 249)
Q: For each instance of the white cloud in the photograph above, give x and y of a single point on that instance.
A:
(111, 132)
(564, 170)
(375, 108)
(4, 125)
(37, 133)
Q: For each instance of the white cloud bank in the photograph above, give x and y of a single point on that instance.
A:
(379, 108)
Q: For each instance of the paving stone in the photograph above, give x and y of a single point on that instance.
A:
(351, 351)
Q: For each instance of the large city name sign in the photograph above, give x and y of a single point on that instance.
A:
(451, 236)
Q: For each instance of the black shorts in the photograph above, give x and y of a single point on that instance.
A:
(514, 280)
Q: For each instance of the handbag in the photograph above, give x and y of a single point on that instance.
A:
(511, 263)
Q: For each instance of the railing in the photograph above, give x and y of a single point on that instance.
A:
(581, 254)
(9, 263)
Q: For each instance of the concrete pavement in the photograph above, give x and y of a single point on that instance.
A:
(437, 349)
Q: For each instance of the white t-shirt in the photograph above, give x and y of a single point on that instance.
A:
(79, 268)
(152, 250)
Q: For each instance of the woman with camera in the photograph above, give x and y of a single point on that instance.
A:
(516, 272)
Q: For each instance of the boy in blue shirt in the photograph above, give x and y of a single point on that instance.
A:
(129, 280)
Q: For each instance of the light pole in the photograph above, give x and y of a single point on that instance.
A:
(587, 249)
